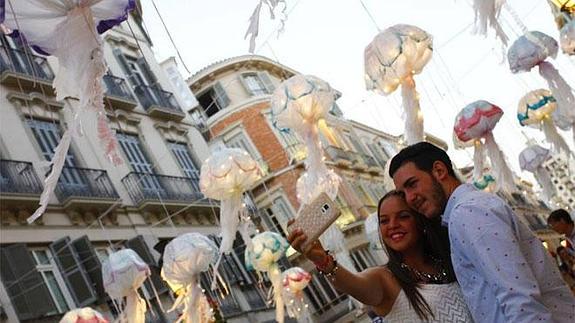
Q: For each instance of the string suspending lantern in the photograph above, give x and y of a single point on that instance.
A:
(69, 30)
(567, 38)
(185, 258)
(532, 49)
(535, 109)
(83, 315)
(532, 159)
(268, 248)
(300, 103)
(123, 273)
(392, 59)
(225, 176)
(294, 280)
(475, 122)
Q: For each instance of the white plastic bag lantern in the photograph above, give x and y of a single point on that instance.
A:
(69, 30)
(185, 258)
(299, 104)
(294, 281)
(83, 315)
(567, 38)
(531, 159)
(486, 15)
(536, 109)
(532, 49)
(474, 122)
(225, 176)
(268, 248)
(392, 59)
(123, 273)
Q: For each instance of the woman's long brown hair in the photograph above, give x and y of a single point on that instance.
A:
(435, 246)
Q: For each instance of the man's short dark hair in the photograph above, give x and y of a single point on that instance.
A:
(423, 155)
(558, 215)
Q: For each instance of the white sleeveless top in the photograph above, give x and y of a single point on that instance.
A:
(445, 300)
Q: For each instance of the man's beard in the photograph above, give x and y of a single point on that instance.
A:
(438, 197)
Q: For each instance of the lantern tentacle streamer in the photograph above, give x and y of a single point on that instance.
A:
(499, 166)
(413, 115)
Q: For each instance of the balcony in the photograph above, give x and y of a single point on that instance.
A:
(152, 191)
(339, 156)
(118, 93)
(18, 181)
(159, 103)
(19, 68)
(358, 160)
(372, 164)
(85, 187)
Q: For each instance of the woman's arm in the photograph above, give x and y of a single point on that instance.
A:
(374, 286)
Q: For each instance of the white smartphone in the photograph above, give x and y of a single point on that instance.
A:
(315, 218)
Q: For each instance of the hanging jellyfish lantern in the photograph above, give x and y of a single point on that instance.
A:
(225, 176)
(294, 281)
(268, 248)
(567, 38)
(531, 159)
(532, 49)
(185, 258)
(392, 59)
(299, 104)
(83, 315)
(474, 122)
(486, 15)
(536, 109)
(69, 30)
(487, 182)
(123, 273)
(253, 28)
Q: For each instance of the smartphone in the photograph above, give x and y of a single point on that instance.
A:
(315, 218)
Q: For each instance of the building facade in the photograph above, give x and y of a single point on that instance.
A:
(54, 264)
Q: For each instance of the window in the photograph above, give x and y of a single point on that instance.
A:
(257, 83)
(214, 99)
(279, 214)
(136, 69)
(47, 269)
(240, 140)
(362, 259)
(379, 155)
(184, 158)
(322, 295)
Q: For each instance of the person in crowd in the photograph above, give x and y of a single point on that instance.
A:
(417, 284)
(505, 273)
(560, 221)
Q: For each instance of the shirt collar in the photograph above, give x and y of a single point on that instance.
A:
(457, 194)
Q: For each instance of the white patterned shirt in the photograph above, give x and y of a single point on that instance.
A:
(505, 273)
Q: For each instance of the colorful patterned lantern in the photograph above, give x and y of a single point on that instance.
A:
(567, 38)
(485, 183)
(474, 122)
(294, 281)
(83, 315)
(531, 159)
(225, 176)
(532, 49)
(392, 59)
(123, 273)
(486, 15)
(268, 248)
(299, 104)
(185, 258)
(69, 30)
(535, 109)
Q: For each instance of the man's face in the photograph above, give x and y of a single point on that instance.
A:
(561, 227)
(423, 192)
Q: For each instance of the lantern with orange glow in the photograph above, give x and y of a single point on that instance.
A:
(83, 315)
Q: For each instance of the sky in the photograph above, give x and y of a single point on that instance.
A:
(326, 38)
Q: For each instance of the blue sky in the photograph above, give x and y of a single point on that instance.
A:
(327, 38)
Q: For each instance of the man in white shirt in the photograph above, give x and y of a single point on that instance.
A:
(560, 221)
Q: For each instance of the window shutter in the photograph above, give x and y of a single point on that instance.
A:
(138, 244)
(123, 62)
(265, 78)
(221, 96)
(145, 68)
(73, 273)
(91, 264)
(24, 284)
(244, 83)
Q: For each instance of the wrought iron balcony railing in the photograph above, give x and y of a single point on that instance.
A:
(153, 96)
(152, 187)
(21, 62)
(84, 183)
(370, 161)
(117, 87)
(18, 177)
(337, 154)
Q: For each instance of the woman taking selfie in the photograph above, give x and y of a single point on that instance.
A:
(416, 285)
